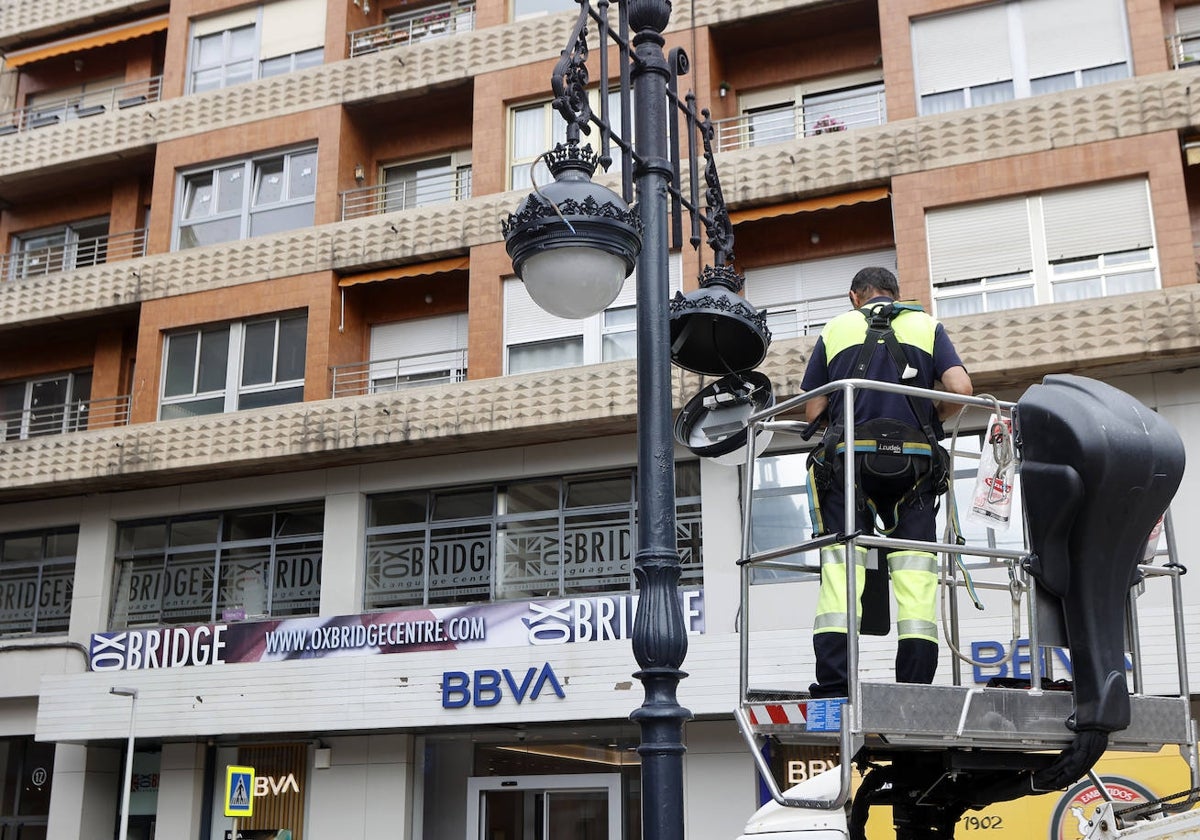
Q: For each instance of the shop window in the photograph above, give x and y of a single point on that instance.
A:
(27, 769)
(45, 405)
(540, 538)
(226, 566)
(230, 367)
(37, 577)
(232, 201)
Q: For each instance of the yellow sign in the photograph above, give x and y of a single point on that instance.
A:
(1061, 815)
(239, 791)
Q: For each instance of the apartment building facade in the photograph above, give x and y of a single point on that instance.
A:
(288, 449)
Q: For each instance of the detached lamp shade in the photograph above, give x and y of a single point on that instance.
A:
(714, 330)
(573, 242)
(713, 423)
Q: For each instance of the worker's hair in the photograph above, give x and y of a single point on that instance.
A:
(875, 278)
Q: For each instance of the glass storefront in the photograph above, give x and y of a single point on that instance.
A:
(28, 769)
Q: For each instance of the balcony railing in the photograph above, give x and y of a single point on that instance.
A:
(778, 125)
(65, 417)
(381, 375)
(36, 262)
(1183, 48)
(81, 105)
(411, 27)
(425, 188)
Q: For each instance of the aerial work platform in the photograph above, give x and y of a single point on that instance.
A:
(962, 729)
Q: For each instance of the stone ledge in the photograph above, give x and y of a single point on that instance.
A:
(1147, 331)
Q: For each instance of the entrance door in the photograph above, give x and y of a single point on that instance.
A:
(568, 807)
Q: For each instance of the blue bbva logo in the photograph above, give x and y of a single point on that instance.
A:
(486, 687)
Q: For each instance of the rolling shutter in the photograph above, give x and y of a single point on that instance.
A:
(228, 20)
(525, 321)
(962, 49)
(1187, 19)
(979, 240)
(292, 26)
(1097, 219)
(1066, 35)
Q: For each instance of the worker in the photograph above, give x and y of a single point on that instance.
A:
(897, 484)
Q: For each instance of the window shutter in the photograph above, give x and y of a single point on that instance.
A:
(1187, 19)
(291, 26)
(1097, 219)
(979, 240)
(525, 321)
(962, 49)
(628, 293)
(228, 20)
(773, 285)
(440, 334)
(1066, 35)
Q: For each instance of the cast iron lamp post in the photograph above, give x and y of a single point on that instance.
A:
(573, 226)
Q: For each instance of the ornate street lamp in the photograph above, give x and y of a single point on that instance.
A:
(573, 243)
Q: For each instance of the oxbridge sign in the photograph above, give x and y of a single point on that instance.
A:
(509, 624)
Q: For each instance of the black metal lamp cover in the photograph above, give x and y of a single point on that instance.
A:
(716, 331)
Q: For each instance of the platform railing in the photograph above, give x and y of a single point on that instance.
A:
(79, 106)
(851, 733)
(100, 413)
(94, 250)
(409, 28)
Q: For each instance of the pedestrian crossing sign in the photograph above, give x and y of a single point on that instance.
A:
(239, 791)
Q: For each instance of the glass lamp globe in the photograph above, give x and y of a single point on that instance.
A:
(573, 242)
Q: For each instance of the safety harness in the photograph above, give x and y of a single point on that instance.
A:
(891, 462)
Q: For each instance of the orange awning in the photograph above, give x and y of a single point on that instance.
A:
(412, 270)
(101, 38)
(808, 205)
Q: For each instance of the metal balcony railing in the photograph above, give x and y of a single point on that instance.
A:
(381, 375)
(79, 106)
(411, 27)
(425, 188)
(62, 418)
(803, 317)
(68, 256)
(778, 125)
(1183, 49)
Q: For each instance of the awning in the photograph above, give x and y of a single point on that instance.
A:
(412, 270)
(101, 38)
(808, 205)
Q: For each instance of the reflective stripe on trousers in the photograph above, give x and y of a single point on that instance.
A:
(914, 582)
(831, 603)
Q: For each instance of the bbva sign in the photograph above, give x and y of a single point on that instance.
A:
(486, 686)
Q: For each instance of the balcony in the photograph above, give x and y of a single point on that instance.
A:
(105, 413)
(822, 114)
(80, 106)
(1183, 49)
(434, 186)
(412, 27)
(68, 256)
(383, 375)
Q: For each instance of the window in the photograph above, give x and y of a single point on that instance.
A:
(247, 198)
(37, 576)
(256, 42)
(425, 182)
(1005, 51)
(805, 109)
(61, 248)
(229, 367)
(1185, 43)
(1069, 244)
(801, 297)
(26, 779)
(539, 128)
(535, 340)
(88, 98)
(418, 352)
(46, 405)
(530, 8)
(224, 566)
(548, 537)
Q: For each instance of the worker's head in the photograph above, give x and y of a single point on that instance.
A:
(872, 282)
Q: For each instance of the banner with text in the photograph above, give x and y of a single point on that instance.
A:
(509, 624)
